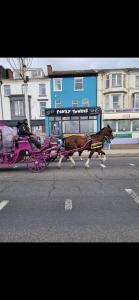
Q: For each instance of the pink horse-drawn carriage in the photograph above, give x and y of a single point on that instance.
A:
(14, 149)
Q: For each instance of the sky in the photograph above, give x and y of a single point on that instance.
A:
(79, 63)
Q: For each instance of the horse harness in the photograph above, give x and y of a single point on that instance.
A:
(98, 145)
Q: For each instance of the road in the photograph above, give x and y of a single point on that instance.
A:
(100, 204)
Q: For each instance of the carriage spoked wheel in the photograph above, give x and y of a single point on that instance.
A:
(37, 165)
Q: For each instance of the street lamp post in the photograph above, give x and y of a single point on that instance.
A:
(26, 79)
(22, 66)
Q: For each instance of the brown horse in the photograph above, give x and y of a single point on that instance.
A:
(92, 143)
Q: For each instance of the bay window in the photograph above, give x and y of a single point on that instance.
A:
(116, 80)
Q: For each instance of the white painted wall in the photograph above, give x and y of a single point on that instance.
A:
(130, 88)
(33, 91)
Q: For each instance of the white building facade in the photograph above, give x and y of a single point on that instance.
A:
(118, 96)
(13, 100)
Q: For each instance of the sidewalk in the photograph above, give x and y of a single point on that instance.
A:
(114, 152)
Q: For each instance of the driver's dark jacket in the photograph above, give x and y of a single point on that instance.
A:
(24, 130)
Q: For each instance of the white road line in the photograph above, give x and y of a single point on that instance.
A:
(3, 203)
(68, 204)
(102, 165)
(133, 195)
(132, 165)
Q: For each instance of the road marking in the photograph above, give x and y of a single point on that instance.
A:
(3, 203)
(102, 165)
(68, 204)
(133, 195)
(132, 165)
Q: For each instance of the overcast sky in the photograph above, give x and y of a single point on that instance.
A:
(80, 63)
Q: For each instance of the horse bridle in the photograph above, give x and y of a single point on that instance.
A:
(107, 138)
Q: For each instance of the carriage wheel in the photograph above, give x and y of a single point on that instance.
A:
(37, 165)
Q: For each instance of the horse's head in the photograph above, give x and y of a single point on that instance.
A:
(107, 132)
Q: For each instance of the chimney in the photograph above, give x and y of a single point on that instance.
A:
(49, 70)
(9, 74)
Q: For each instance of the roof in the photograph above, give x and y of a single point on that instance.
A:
(118, 69)
(72, 73)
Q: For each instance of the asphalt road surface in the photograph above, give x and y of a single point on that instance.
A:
(100, 204)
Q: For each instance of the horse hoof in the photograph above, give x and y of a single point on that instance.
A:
(59, 167)
(86, 166)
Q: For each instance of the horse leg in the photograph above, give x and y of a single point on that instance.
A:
(88, 160)
(80, 152)
(103, 155)
(60, 161)
(72, 160)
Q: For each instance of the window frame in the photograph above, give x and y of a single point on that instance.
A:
(40, 102)
(87, 100)
(76, 105)
(44, 86)
(7, 85)
(116, 80)
(56, 104)
(18, 102)
(37, 71)
(54, 85)
(79, 78)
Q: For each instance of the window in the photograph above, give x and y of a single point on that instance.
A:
(36, 73)
(70, 126)
(107, 103)
(75, 103)
(135, 125)
(137, 81)
(85, 102)
(88, 126)
(35, 129)
(124, 125)
(116, 80)
(42, 90)
(57, 84)
(107, 81)
(58, 104)
(112, 124)
(116, 101)
(7, 90)
(78, 84)
(136, 101)
(124, 80)
(42, 109)
(18, 107)
(17, 75)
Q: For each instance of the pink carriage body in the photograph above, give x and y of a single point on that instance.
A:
(19, 150)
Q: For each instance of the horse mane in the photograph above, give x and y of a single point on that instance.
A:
(97, 133)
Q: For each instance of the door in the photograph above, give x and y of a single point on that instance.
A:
(56, 128)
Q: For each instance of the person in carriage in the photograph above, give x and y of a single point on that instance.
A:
(23, 131)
